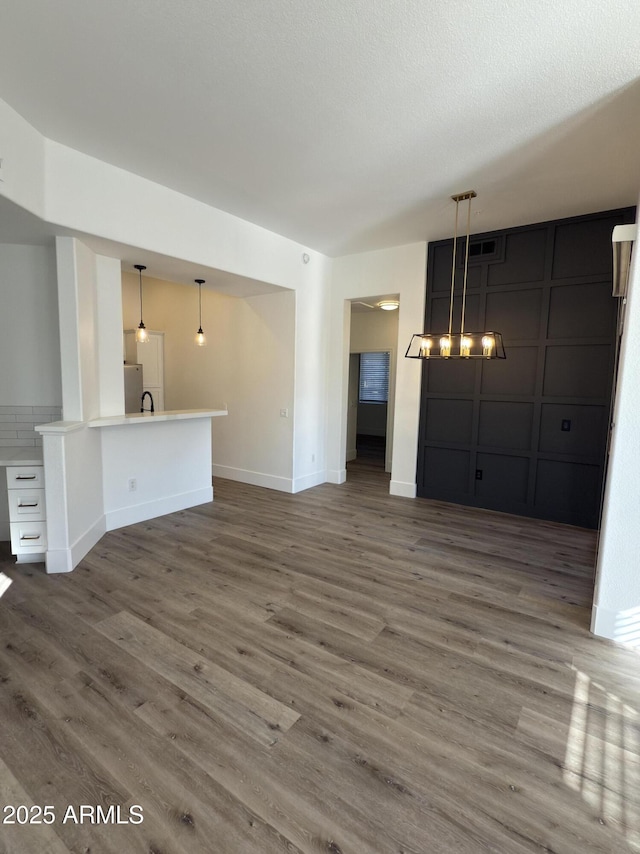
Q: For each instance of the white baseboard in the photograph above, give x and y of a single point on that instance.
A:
(64, 560)
(336, 476)
(270, 481)
(403, 489)
(352, 454)
(255, 478)
(309, 480)
(160, 507)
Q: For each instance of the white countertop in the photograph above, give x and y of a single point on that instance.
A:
(148, 417)
(21, 456)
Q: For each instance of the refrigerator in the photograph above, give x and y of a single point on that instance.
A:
(132, 388)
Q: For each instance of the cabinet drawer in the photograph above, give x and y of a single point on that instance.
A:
(28, 537)
(26, 504)
(21, 477)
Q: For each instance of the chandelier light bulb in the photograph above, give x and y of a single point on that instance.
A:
(425, 347)
(445, 347)
(487, 345)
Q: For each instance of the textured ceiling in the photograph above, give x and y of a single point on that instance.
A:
(343, 124)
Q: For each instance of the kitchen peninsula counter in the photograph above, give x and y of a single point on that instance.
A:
(135, 418)
(134, 468)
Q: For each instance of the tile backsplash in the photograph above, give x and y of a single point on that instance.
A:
(17, 423)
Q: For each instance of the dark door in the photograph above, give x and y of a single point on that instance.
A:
(526, 435)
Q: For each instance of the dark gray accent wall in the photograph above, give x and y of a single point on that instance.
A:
(526, 435)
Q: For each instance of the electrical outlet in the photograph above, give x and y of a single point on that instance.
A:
(284, 413)
(133, 484)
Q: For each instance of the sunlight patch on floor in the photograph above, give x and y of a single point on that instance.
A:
(602, 759)
(627, 628)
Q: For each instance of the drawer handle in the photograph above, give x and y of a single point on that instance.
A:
(26, 477)
(32, 504)
(30, 537)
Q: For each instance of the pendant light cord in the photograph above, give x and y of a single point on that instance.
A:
(200, 333)
(140, 268)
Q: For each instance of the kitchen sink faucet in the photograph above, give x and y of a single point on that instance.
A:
(144, 394)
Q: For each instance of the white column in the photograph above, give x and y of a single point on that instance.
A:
(616, 610)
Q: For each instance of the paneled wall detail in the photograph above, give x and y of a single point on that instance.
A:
(526, 435)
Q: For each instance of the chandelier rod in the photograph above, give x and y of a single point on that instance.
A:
(466, 264)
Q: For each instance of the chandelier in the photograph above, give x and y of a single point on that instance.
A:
(462, 344)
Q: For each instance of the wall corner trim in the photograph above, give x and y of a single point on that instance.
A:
(309, 480)
(64, 560)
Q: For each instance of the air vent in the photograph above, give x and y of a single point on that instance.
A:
(482, 247)
(488, 249)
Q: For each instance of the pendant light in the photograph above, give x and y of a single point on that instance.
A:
(462, 344)
(201, 341)
(141, 333)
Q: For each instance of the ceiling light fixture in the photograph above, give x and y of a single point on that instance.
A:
(141, 333)
(463, 344)
(201, 341)
(389, 304)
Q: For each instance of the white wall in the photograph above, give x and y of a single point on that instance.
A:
(399, 270)
(312, 319)
(29, 337)
(247, 367)
(22, 152)
(88, 195)
(616, 611)
(374, 330)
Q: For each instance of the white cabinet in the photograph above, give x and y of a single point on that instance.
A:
(27, 512)
(151, 357)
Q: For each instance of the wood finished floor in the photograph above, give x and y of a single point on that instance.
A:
(337, 671)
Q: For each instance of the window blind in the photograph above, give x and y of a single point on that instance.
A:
(374, 377)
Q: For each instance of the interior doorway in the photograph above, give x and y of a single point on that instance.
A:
(371, 391)
(368, 414)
